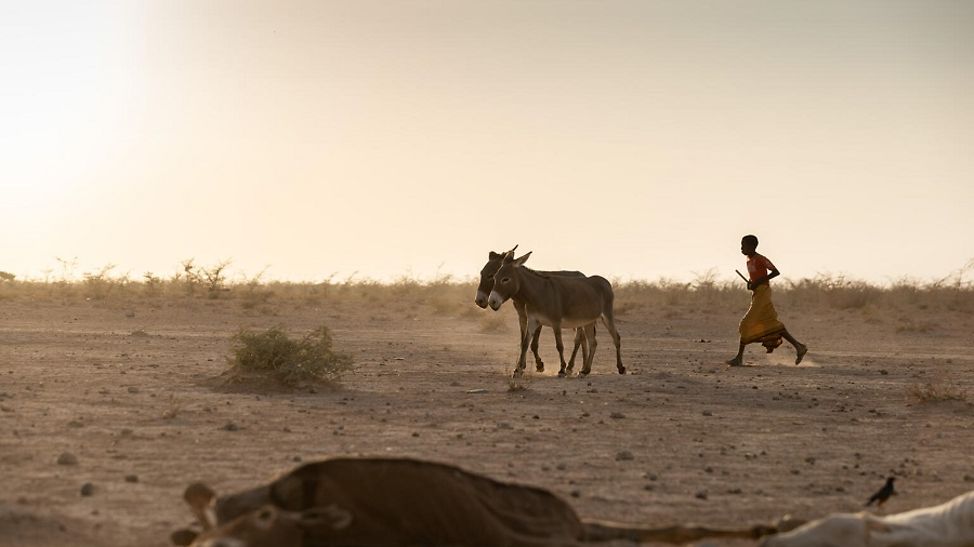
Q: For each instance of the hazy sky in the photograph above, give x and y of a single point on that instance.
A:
(629, 139)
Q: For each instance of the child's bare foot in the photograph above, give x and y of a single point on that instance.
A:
(736, 362)
(801, 350)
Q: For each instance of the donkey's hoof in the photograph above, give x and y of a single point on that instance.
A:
(539, 367)
(622, 369)
(518, 372)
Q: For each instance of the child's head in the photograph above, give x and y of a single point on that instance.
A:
(749, 244)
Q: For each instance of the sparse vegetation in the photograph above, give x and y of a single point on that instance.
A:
(493, 323)
(933, 392)
(447, 296)
(516, 384)
(291, 362)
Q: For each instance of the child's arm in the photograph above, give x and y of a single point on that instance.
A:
(773, 273)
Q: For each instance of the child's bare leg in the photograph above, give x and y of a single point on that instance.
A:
(739, 360)
(800, 349)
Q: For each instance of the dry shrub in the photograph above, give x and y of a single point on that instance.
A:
(493, 323)
(516, 384)
(291, 362)
(173, 409)
(933, 392)
(918, 327)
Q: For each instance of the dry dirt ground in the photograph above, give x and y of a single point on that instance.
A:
(128, 389)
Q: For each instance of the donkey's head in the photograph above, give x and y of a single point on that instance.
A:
(507, 282)
(494, 261)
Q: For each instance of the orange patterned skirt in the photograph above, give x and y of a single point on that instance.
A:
(761, 324)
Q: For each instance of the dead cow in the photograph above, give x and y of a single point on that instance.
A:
(393, 502)
(947, 525)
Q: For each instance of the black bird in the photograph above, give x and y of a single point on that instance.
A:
(884, 493)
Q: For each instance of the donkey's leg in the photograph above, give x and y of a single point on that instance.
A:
(592, 344)
(560, 346)
(579, 343)
(525, 340)
(607, 318)
(538, 363)
(522, 321)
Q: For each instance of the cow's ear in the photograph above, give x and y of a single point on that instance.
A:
(200, 498)
(183, 537)
(332, 516)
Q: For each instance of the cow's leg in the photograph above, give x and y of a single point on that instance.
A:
(560, 346)
(592, 344)
(607, 318)
(538, 363)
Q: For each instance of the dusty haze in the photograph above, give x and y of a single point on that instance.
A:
(623, 138)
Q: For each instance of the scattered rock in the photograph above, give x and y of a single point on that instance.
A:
(133, 389)
(67, 458)
(230, 426)
(707, 413)
(701, 495)
(617, 415)
(87, 489)
(624, 456)
(131, 478)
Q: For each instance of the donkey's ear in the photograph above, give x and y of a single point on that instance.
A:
(508, 257)
(523, 259)
(494, 256)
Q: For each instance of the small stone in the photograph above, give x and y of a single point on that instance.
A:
(968, 478)
(624, 455)
(707, 413)
(133, 389)
(67, 458)
(575, 493)
(701, 495)
(131, 478)
(87, 489)
(230, 426)
(617, 415)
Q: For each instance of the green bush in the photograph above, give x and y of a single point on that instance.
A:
(291, 362)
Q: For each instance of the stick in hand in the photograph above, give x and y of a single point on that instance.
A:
(742, 276)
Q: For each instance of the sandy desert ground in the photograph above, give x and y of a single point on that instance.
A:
(129, 387)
